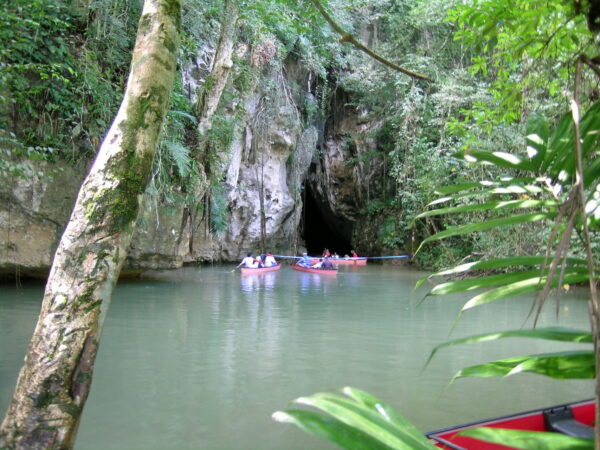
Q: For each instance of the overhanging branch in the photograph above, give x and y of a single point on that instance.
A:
(347, 37)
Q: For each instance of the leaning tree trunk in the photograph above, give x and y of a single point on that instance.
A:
(56, 377)
(213, 88)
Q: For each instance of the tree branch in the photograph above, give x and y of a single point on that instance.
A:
(591, 64)
(347, 37)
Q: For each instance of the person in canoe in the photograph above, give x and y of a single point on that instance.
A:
(270, 260)
(248, 261)
(354, 254)
(327, 264)
(258, 263)
(304, 261)
(326, 253)
(318, 264)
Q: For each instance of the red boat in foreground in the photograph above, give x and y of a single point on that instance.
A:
(343, 261)
(313, 270)
(573, 419)
(252, 271)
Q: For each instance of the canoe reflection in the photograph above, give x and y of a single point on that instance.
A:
(313, 282)
(257, 282)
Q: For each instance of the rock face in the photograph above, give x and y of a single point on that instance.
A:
(33, 214)
(267, 166)
(275, 158)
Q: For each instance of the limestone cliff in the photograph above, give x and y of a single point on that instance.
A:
(280, 155)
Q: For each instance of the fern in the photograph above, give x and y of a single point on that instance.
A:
(180, 156)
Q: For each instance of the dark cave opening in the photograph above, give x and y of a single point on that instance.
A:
(319, 233)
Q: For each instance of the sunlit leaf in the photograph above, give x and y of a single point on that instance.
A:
(387, 412)
(499, 159)
(500, 279)
(562, 159)
(560, 144)
(488, 225)
(453, 188)
(365, 419)
(361, 412)
(483, 282)
(328, 427)
(524, 286)
(552, 334)
(498, 205)
(512, 262)
(561, 365)
(537, 138)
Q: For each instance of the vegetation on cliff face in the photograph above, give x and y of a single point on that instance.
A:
(63, 71)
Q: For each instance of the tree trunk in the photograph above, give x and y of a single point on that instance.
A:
(55, 380)
(215, 84)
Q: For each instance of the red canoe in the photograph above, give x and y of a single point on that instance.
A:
(344, 261)
(251, 271)
(574, 419)
(313, 270)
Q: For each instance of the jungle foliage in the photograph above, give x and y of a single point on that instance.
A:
(543, 185)
(63, 69)
(493, 128)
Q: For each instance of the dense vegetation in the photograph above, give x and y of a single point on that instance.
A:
(64, 65)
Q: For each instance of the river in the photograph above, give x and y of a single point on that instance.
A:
(201, 357)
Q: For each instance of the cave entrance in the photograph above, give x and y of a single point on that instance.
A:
(320, 229)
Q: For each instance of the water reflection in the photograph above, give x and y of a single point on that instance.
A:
(257, 282)
(311, 283)
(187, 353)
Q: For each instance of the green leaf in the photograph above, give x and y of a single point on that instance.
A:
(537, 138)
(329, 428)
(183, 114)
(560, 144)
(522, 287)
(528, 440)
(487, 225)
(560, 365)
(180, 156)
(511, 262)
(498, 159)
(562, 158)
(591, 173)
(514, 261)
(590, 129)
(551, 333)
(513, 189)
(450, 189)
(366, 420)
(470, 284)
(387, 412)
(361, 412)
(498, 205)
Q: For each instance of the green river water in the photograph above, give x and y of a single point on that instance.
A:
(199, 358)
